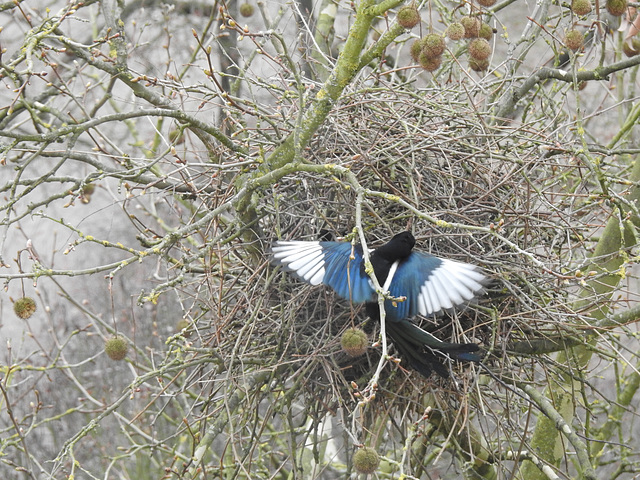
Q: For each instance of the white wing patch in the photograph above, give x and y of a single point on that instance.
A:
(390, 275)
(305, 259)
(449, 285)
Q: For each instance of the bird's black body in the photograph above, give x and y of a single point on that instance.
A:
(428, 283)
(397, 249)
(414, 345)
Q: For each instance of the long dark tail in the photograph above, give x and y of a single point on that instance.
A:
(424, 352)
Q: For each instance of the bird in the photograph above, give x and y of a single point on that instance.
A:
(416, 282)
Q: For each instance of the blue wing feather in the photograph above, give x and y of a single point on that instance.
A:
(345, 274)
(407, 282)
(432, 284)
(329, 263)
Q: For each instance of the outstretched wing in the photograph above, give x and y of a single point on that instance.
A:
(335, 264)
(431, 284)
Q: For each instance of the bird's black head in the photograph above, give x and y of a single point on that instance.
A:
(398, 248)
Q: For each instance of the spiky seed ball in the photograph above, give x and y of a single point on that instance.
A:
(471, 26)
(24, 307)
(581, 7)
(246, 9)
(116, 348)
(408, 16)
(479, 49)
(455, 31)
(485, 32)
(478, 65)
(354, 342)
(433, 45)
(430, 64)
(574, 39)
(86, 192)
(366, 460)
(176, 136)
(487, 3)
(182, 324)
(616, 7)
(416, 49)
(88, 189)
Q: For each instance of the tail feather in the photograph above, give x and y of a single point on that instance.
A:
(422, 360)
(421, 350)
(424, 352)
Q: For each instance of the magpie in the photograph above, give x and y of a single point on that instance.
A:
(419, 283)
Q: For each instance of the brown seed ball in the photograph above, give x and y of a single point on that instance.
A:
(88, 189)
(246, 9)
(471, 26)
(86, 192)
(430, 64)
(433, 45)
(116, 348)
(354, 342)
(616, 7)
(581, 7)
(182, 324)
(486, 32)
(366, 460)
(455, 31)
(487, 3)
(408, 16)
(574, 39)
(478, 65)
(176, 136)
(24, 307)
(479, 49)
(416, 49)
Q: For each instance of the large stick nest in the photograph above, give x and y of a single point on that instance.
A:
(441, 158)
